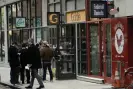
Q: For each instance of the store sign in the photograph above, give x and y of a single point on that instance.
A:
(76, 16)
(99, 9)
(20, 22)
(53, 18)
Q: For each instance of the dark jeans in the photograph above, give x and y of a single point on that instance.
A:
(45, 66)
(27, 74)
(34, 75)
(14, 74)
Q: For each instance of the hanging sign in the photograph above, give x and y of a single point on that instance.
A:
(20, 22)
(53, 18)
(99, 9)
(76, 16)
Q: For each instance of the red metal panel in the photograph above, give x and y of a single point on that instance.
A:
(119, 35)
(119, 45)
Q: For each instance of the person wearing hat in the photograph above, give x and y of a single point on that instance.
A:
(46, 54)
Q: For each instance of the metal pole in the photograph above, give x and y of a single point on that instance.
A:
(76, 36)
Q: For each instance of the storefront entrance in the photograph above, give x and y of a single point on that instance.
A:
(71, 42)
(64, 40)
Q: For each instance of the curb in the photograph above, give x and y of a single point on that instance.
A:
(90, 79)
(10, 85)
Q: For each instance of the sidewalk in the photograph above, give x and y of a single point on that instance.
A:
(64, 84)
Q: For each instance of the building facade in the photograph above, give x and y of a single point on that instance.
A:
(85, 42)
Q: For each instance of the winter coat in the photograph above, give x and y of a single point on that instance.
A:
(13, 57)
(23, 56)
(46, 54)
(34, 56)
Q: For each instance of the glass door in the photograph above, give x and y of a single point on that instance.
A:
(82, 60)
(94, 49)
(66, 65)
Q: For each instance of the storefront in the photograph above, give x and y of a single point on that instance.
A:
(77, 18)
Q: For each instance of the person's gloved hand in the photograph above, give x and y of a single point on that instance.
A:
(29, 65)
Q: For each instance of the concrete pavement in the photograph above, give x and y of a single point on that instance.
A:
(64, 84)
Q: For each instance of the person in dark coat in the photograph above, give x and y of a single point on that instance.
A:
(23, 62)
(13, 59)
(34, 61)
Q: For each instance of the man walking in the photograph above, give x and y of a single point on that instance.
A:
(14, 63)
(46, 55)
(34, 61)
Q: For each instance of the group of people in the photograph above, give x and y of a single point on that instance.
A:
(28, 60)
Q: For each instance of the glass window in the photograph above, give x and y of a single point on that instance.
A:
(57, 7)
(51, 8)
(24, 9)
(2, 13)
(19, 9)
(9, 12)
(38, 7)
(33, 8)
(14, 14)
(70, 5)
(94, 42)
(80, 4)
(50, 1)
(25, 35)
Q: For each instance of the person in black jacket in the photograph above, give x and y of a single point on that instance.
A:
(23, 62)
(34, 61)
(13, 59)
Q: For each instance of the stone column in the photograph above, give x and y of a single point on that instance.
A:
(44, 18)
(5, 35)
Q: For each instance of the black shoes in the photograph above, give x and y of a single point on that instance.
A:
(40, 87)
(28, 87)
(12, 82)
(28, 82)
(22, 82)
